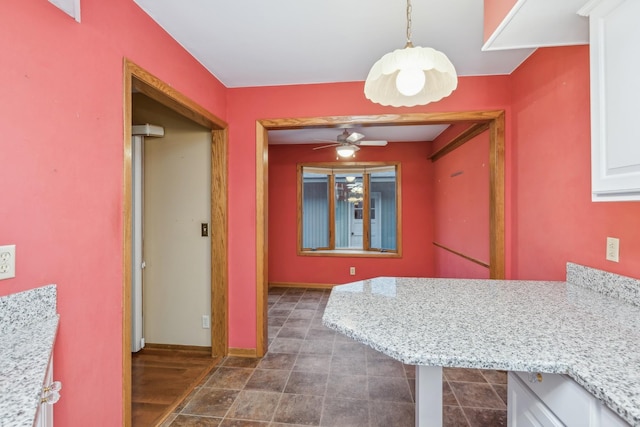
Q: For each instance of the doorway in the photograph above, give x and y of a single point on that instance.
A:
(139, 80)
(479, 121)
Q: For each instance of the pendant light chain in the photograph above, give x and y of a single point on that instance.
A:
(409, 9)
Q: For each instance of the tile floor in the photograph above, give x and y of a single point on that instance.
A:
(312, 376)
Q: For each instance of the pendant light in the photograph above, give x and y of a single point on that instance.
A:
(410, 76)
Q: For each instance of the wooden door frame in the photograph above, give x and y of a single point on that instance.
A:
(136, 78)
(493, 119)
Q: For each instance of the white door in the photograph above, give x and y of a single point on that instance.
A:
(137, 339)
(374, 214)
(356, 226)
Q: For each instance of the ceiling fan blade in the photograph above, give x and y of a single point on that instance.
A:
(325, 146)
(354, 137)
(373, 143)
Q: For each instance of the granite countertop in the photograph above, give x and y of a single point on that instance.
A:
(28, 326)
(587, 327)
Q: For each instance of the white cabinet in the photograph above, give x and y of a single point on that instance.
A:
(615, 92)
(44, 417)
(525, 409)
(551, 400)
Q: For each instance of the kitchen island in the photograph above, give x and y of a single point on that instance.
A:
(587, 328)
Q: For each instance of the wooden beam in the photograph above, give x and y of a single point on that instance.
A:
(470, 133)
(412, 119)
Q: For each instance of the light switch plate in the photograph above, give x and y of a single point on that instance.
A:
(7, 262)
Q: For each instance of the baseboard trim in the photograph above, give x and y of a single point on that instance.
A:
(178, 347)
(242, 352)
(301, 285)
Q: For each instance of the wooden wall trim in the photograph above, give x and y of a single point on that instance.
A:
(460, 254)
(136, 77)
(466, 135)
(262, 238)
(495, 118)
(127, 249)
(497, 197)
(243, 352)
(301, 285)
(380, 119)
(219, 232)
(179, 347)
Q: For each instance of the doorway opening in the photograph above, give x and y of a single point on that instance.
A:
(480, 121)
(139, 80)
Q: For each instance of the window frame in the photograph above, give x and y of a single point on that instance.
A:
(366, 251)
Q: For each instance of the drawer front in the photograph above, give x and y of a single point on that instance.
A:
(572, 404)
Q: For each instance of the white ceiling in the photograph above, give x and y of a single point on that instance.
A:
(375, 133)
(281, 42)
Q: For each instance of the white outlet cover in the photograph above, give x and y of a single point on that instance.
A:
(7, 262)
(613, 249)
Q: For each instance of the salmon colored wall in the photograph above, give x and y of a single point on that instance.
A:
(417, 217)
(461, 209)
(554, 219)
(494, 13)
(61, 150)
(246, 105)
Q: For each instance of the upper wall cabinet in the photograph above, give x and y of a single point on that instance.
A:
(518, 24)
(615, 93)
(70, 7)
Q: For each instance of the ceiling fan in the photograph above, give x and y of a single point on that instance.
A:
(348, 143)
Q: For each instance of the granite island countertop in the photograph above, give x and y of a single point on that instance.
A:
(587, 327)
(28, 327)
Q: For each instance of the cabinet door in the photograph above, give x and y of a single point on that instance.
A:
(525, 409)
(44, 417)
(609, 419)
(615, 92)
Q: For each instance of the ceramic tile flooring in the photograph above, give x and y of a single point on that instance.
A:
(314, 376)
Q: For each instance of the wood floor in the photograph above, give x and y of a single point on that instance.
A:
(162, 377)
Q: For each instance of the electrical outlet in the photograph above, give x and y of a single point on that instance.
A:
(352, 271)
(206, 323)
(7, 262)
(613, 249)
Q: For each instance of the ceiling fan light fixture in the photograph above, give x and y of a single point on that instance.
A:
(345, 150)
(410, 76)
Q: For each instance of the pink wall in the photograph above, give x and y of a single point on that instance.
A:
(61, 149)
(62, 81)
(246, 105)
(461, 209)
(494, 13)
(417, 220)
(554, 220)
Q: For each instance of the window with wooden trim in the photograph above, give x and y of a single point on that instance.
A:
(349, 209)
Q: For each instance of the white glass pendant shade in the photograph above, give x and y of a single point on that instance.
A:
(345, 150)
(390, 83)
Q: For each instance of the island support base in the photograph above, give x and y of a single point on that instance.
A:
(428, 396)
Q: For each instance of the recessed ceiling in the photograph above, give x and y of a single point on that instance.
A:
(329, 135)
(280, 42)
